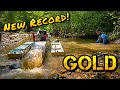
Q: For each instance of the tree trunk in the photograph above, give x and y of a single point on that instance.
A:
(28, 28)
(0, 36)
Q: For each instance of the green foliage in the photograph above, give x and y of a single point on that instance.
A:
(116, 18)
(80, 21)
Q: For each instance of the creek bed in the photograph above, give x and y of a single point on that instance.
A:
(52, 66)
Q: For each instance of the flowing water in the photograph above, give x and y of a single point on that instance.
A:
(53, 64)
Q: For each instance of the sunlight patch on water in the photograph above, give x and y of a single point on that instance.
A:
(90, 46)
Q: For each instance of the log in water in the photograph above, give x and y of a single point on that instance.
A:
(34, 58)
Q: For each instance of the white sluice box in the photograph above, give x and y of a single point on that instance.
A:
(57, 49)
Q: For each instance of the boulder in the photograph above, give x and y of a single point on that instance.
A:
(14, 66)
(117, 41)
(33, 59)
(56, 76)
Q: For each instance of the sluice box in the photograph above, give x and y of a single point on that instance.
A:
(19, 52)
(13, 54)
(57, 49)
(25, 48)
(29, 43)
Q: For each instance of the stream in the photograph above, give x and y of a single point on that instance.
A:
(52, 65)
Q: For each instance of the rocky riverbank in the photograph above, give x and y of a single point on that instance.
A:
(11, 39)
(117, 41)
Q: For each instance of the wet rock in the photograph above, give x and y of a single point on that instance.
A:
(114, 77)
(14, 66)
(99, 54)
(98, 76)
(69, 73)
(118, 66)
(63, 71)
(117, 41)
(8, 39)
(63, 75)
(85, 76)
(78, 77)
(92, 76)
(4, 69)
(78, 70)
(101, 76)
(7, 66)
(116, 51)
(105, 77)
(56, 76)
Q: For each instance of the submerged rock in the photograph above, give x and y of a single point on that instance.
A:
(14, 66)
(7, 66)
